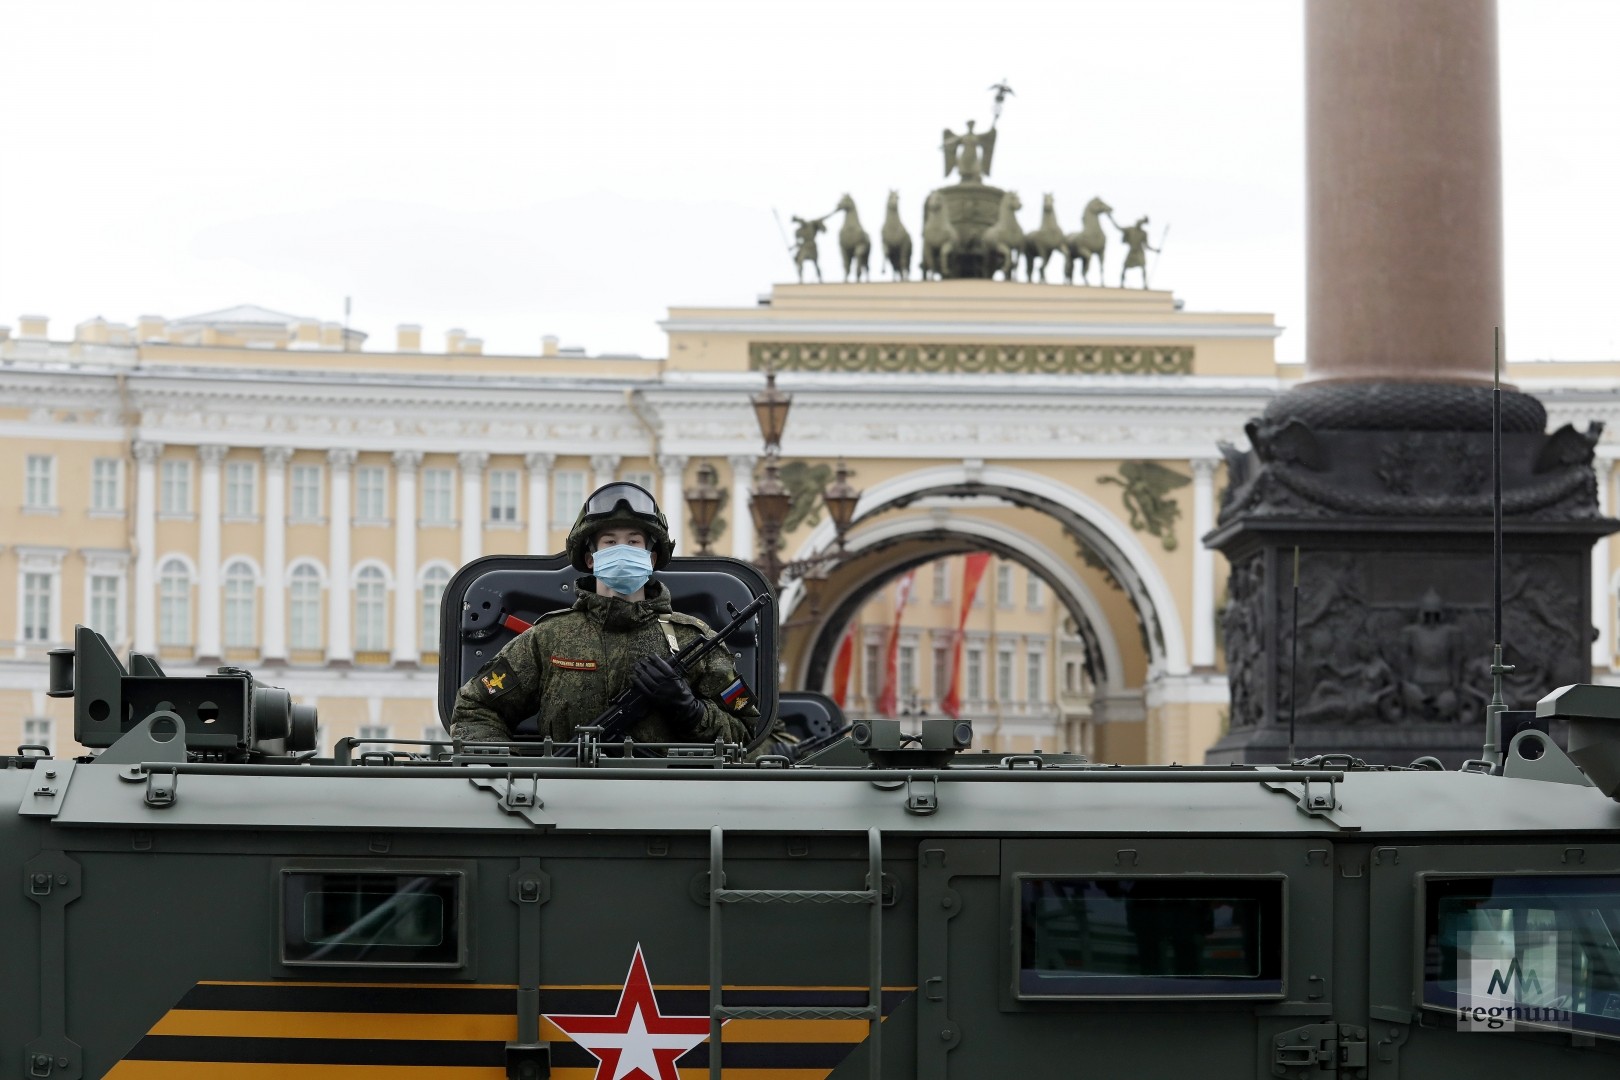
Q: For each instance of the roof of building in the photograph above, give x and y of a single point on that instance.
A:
(245, 314)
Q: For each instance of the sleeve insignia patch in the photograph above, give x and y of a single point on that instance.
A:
(573, 665)
(737, 696)
(497, 680)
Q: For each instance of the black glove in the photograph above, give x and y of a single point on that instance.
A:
(661, 682)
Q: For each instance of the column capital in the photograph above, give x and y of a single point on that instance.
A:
(605, 463)
(406, 461)
(672, 463)
(146, 451)
(1203, 468)
(539, 461)
(472, 460)
(276, 457)
(341, 458)
(212, 453)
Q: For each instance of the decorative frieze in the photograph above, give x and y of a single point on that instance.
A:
(972, 359)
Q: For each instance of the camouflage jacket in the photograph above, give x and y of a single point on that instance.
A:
(569, 665)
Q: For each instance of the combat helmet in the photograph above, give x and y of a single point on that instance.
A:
(620, 503)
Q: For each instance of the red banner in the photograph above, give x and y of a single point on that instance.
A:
(842, 665)
(888, 701)
(972, 574)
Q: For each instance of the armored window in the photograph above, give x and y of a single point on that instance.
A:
(908, 670)
(1032, 592)
(240, 605)
(1148, 937)
(241, 489)
(503, 495)
(372, 919)
(437, 504)
(40, 731)
(1034, 677)
(975, 674)
(567, 496)
(37, 594)
(942, 581)
(433, 582)
(874, 672)
(942, 669)
(104, 590)
(370, 610)
(304, 604)
(174, 604)
(371, 493)
(306, 492)
(104, 476)
(1525, 952)
(1004, 585)
(39, 492)
(1004, 675)
(174, 487)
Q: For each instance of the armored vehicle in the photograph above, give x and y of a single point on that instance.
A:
(205, 897)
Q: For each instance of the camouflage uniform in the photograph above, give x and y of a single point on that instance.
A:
(569, 665)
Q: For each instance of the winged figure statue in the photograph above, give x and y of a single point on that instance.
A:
(1147, 487)
(969, 153)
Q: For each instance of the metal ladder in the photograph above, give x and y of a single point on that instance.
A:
(871, 1012)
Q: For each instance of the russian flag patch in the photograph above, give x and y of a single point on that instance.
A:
(736, 696)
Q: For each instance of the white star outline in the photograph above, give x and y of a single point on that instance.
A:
(624, 1044)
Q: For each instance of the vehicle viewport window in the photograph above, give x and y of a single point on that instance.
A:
(1149, 937)
(1536, 951)
(371, 919)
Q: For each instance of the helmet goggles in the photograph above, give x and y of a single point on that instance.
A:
(606, 501)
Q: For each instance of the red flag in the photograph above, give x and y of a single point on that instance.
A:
(972, 574)
(888, 703)
(842, 665)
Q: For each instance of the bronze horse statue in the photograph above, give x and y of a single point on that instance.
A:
(1044, 242)
(1089, 241)
(896, 240)
(1004, 241)
(939, 237)
(853, 241)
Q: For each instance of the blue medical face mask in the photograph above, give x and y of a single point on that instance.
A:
(622, 568)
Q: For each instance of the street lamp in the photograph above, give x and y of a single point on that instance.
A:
(704, 501)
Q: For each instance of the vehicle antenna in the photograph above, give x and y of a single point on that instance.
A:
(1493, 712)
(1293, 662)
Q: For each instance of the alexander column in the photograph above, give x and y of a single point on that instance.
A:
(1378, 465)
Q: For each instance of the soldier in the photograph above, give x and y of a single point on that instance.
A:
(621, 630)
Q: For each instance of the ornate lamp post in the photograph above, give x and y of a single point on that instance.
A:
(704, 502)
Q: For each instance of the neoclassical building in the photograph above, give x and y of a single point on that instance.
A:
(261, 489)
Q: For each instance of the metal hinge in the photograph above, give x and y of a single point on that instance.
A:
(922, 795)
(517, 795)
(46, 789)
(1320, 1050)
(162, 786)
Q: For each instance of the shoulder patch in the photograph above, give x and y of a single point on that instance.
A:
(567, 664)
(690, 620)
(497, 680)
(737, 696)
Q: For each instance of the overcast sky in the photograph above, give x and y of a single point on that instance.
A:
(528, 168)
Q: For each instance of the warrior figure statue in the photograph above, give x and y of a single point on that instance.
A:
(969, 153)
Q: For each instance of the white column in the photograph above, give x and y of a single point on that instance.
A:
(539, 466)
(742, 518)
(339, 639)
(472, 504)
(275, 552)
(1203, 601)
(1603, 597)
(406, 650)
(605, 468)
(672, 467)
(146, 456)
(208, 511)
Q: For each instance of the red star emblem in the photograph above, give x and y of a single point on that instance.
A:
(637, 1041)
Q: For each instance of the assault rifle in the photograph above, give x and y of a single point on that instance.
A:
(614, 722)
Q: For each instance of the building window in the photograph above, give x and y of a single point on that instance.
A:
(39, 492)
(503, 495)
(37, 590)
(567, 495)
(40, 731)
(874, 672)
(241, 489)
(304, 598)
(435, 734)
(1034, 677)
(104, 477)
(1033, 597)
(1004, 675)
(433, 582)
(942, 669)
(975, 674)
(1003, 585)
(240, 589)
(371, 493)
(369, 732)
(174, 604)
(104, 590)
(437, 508)
(306, 492)
(640, 479)
(1071, 677)
(908, 670)
(942, 581)
(370, 610)
(174, 489)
